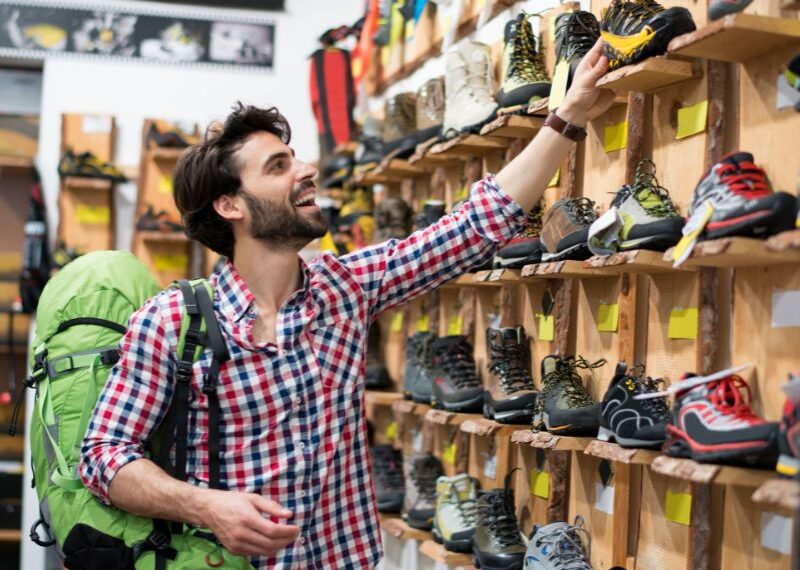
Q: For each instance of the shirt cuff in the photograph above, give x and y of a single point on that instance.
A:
(494, 213)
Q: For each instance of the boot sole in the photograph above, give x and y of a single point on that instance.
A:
(756, 224)
(579, 252)
(606, 434)
(510, 565)
(660, 242)
(754, 453)
(451, 545)
(469, 406)
(523, 416)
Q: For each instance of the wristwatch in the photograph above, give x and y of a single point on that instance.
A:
(559, 125)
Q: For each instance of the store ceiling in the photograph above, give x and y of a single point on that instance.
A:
(271, 5)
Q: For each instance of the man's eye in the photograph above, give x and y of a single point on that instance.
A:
(278, 165)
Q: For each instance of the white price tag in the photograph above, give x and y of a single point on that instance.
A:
(96, 124)
(603, 498)
(490, 466)
(776, 532)
(416, 443)
(785, 309)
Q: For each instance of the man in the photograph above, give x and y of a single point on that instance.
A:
(293, 449)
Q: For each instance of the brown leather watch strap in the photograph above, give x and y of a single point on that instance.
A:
(572, 132)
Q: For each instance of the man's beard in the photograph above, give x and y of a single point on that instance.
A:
(281, 224)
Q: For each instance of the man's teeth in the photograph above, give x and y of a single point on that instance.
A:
(307, 201)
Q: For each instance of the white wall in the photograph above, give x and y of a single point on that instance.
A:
(133, 91)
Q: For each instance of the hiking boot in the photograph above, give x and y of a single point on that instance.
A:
(416, 385)
(559, 546)
(377, 375)
(421, 471)
(524, 75)
(743, 200)
(338, 169)
(719, 8)
(63, 254)
(630, 422)
(498, 543)
(713, 422)
(370, 150)
(456, 387)
(564, 407)
(172, 138)
(634, 31)
(468, 88)
(387, 465)
(152, 221)
(432, 210)
(456, 512)
(430, 108)
(525, 247)
(789, 430)
(645, 217)
(400, 118)
(511, 397)
(576, 33)
(87, 165)
(393, 219)
(565, 229)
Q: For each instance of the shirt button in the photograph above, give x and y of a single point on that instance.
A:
(301, 444)
(302, 540)
(298, 401)
(301, 493)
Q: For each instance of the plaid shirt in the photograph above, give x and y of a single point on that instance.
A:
(292, 419)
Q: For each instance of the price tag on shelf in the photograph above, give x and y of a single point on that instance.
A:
(692, 120)
(95, 124)
(678, 507)
(171, 262)
(540, 483)
(422, 323)
(776, 532)
(615, 137)
(558, 90)
(165, 184)
(554, 180)
(547, 327)
(683, 323)
(608, 317)
(449, 454)
(417, 441)
(604, 498)
(391, 431)
(396, 325)
(490, 466)
(785, 309)
(691, 231)
(454, 325)
(93, 215)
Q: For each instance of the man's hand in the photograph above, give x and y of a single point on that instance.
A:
(584, 101)
(238, 520)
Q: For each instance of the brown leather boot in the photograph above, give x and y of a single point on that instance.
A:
(510, 396)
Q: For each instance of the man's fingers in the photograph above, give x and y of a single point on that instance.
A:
(270, 507)
(274, 531)
(590, 59)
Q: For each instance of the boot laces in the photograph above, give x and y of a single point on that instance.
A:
(525, 62)
(466, 508)
(565, 374)
(388, 469)
(625, 15)
(658, 407)
(533, 221)
(424, 473)
(747, 179)
(568, 545)
(577, 36)
(496, 512)
(457, 361)
(646, 186)
(508, 362)
(581, 210)
(732, 395)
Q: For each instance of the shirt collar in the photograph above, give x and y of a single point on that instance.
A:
(235, 297)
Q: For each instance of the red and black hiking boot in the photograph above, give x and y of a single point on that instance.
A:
(789, 430)
(743, 200)
(713, 423)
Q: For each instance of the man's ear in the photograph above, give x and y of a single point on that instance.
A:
(229, 207)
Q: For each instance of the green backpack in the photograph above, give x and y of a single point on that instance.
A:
(82, 314)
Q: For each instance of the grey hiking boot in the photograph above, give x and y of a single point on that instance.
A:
(565, 229)
(564, 407)
(421, 470)
(387, 466)
(468, 87)
(393, 219)
(377, 375)
(510, 396)
(498, 542)
(456, 512)
(430, 108)
(456, 387)
(559, 546)
(432, 210)
(416, 385)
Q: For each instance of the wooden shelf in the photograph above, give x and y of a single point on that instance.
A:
(400, 169)
(21, 162)
(614, 452)
(371, 177)
(635, 261)
(650, 75)
(540, 107)
(163, 153)
(485, 427)
(565, 270)
(744, 476)
(86, 183)
(438, 553)
(514, 126)
(486, 278)
(780, 493)
(745, 252)
(737, 37)
(466, 146)
(445, 418)
(161, 237)
(398, 528)
(347, 149)
(378, 398)
(794, 5)
(545, 440)
(695, 472)
(10, 535)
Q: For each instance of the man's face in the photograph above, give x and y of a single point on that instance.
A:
(279, 192)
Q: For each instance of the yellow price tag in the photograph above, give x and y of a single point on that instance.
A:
(558, 89)
(607, 317)
(422, 323)
(540, 483)
(615, 137)
(554, 180)
(692, 120)
(171, 262)
(397, 322)
(454, 325)
(678, 508)
(449, 454)
(409, 31)
(165, 184)
(692, 230)
(93, 215)
(547, 327)
(391, 431)
(447, 24)
(683, 323)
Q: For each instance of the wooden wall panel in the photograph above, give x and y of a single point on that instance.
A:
(662, 542)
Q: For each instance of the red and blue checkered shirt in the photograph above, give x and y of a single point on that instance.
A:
(292, 418)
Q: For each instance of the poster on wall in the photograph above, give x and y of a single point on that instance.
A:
(36, 31)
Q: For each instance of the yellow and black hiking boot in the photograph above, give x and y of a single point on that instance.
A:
(633, 31)
(524, 74)
(88, 165)
(576, 33)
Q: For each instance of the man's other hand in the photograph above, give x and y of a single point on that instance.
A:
(584, 101)
(241, 522)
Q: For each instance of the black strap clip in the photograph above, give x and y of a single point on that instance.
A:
(156, 541)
